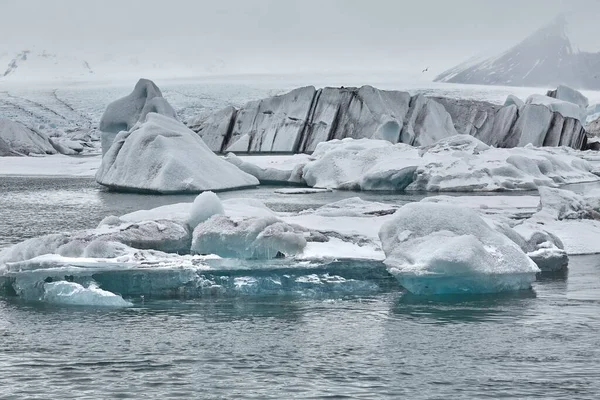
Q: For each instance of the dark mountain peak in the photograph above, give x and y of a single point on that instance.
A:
(546, 58)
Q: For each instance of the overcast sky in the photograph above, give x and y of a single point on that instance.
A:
(285, 35)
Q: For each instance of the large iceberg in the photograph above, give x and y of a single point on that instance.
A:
(18, 140)
(124, 113)
(162, 155)
(516, 124)
(443, 249)
(457, 163)
(301, 119)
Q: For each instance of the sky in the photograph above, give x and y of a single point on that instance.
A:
(283, 36)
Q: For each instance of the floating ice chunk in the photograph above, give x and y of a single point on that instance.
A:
(570, 95)
(441, 249)
(561, 204)
(74, 294)
(353, 207)
(301, 190)
(16, 139)
(105, 242)
(272, 169)
(162, 155)
(565, 108)
(205, 206)
(240, 208)
(254, 237)
(463, 163)
(458, 163)
(362, 164)
(563, 214)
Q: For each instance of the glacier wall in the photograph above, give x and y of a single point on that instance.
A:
(297, 121)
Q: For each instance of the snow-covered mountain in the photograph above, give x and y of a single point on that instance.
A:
(547, 58)
(32, 65)
(42, 65)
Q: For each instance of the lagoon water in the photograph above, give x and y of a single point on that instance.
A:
(371, 344)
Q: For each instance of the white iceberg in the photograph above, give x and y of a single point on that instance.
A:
(74, 294)
(362, 164)
(162, 155)
(250, 230)
(251, 238)
(18, 140)
(458, 163)
(564, 220)
(442, 249)
(124, 113)
(506, 214)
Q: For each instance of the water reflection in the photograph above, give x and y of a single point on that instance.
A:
(463, 308)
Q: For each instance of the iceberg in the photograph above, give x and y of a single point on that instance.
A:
(123, 114)
(443, 249)
(301, 119)
(250, 238)
(18, 140)
(458, 163)
(161, 155)
(517, 124)
(565, 108)
(362, 164)
(570, 95)
(249, 230)
(563, 214)
(74, 294)
(205, 205)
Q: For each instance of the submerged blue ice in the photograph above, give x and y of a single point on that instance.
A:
(116, 286)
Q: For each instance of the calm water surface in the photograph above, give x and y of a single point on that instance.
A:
(542, 344)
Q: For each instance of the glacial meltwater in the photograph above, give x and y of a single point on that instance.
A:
(269, 330)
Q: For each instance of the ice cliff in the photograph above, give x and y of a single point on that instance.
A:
(301, 119)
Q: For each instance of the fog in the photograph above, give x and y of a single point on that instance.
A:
(274, 36)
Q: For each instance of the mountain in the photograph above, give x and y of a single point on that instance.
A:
(34, 65)
(41, 65)
(546, 58)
